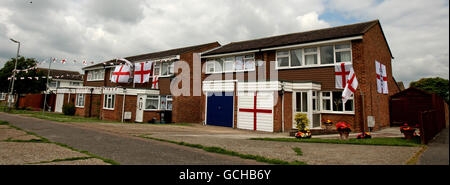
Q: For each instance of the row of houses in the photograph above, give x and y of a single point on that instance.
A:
(256, 84)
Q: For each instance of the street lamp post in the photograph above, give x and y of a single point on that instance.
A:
(14, 73)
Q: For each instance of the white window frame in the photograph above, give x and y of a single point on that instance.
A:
(317, 52)
(77, 102)
(152, 97)
(230, 59)
(332, 111)
(2, 96)
(169, 98)
(105, 101)
(96, 75)
(342, 50)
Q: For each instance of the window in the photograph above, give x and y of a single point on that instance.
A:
(249, 62)
(151, 103)
(239, 63)
(156, 68)
(315, 101)
(296, 57)
(332, 101)
(164, 69)
(162, 103)
(95, 75)
(169, 102)
(283, 59)
(228, 64)
(75, 84)
(326, 101)
(326, 55)
(343, 53)
(337, 101)
(2, 96)
(210, 67)
(109, 100)
(79, 100)
(310, 56)
(231, 64)
(301, 102)
(53, 84)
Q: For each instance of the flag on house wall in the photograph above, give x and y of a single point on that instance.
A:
(382, 86)
(351, 85)
(155, 82)
(341, 72)
(121, 74)
(142, 72)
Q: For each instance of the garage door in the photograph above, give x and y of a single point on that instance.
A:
(255, 111)
(59, 102)
(220, 109)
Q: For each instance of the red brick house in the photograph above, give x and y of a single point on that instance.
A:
(265, 95)
(104, 99)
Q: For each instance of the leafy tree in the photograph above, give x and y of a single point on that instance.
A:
(436, 85)
(22, 86)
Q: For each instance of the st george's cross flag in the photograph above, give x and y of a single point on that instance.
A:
(382, 86)
(155, 82)
(351, 85)
(142, 72)
(121, 74)
(341, 72)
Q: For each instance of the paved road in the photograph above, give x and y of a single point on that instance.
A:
(121, 148)
(437, 152)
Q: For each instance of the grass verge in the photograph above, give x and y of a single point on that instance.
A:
(298, 151)
(45, 140)
(228, 152)
(374, 141)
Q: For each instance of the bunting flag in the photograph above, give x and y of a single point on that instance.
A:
(121, 74)
(142, 72)
(341, 72)
(84, 62)
(54, 60)
(63, 61)
(351, 85)
(155, 82)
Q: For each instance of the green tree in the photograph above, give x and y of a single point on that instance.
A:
(436, 85)
(22, 86)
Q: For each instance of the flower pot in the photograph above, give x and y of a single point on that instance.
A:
(343, 135)
(408, 135)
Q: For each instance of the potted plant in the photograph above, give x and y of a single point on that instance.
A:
(302, 124)
(343, 129)
(327, 123)
(408, 131)
(364, 135)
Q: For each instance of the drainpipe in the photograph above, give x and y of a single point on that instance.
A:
(123, 102)
(282, 107)
(90, 103)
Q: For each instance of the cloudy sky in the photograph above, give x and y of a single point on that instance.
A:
(97, 30)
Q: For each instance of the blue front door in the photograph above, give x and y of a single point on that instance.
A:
(220, 109)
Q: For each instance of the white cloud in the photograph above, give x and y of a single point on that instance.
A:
(417, 31)
(310, 21)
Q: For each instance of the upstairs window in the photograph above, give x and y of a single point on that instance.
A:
(326, 55)
(96, 75)
(283, 59)
(343, 53)
(296, 57)
(310, 56)
(231, 64)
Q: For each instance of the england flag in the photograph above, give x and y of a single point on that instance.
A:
(142, 72)
(121, 74)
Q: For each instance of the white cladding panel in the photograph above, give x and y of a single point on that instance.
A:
(264, 101)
